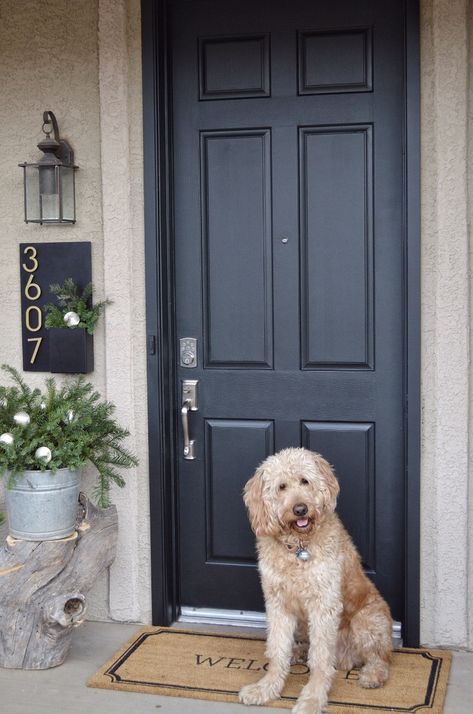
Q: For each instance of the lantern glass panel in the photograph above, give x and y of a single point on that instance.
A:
(67, 194)
(32, 211)
(49, 193)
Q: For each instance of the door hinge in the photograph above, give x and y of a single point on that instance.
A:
(151, 344)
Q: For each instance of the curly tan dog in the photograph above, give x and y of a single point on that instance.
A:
(313, 582)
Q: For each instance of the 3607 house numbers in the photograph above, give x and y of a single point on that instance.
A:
(32, 292)
(41, 265)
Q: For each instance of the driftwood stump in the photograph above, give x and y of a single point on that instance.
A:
(43, 587)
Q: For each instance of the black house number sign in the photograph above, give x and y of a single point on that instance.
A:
(41, 265)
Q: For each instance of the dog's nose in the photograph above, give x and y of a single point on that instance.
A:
(300, 509)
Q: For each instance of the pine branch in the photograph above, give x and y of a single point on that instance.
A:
(68, 300)
(73, 421)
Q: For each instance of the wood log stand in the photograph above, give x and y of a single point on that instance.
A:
(43, 587)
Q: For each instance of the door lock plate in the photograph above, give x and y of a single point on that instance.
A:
(188, 352)
(189, 394)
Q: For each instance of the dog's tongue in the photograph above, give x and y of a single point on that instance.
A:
(302, 522)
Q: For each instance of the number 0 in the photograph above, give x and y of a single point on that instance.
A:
(39, 318)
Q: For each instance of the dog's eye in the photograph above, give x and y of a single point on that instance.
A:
(282, 486)
(304, 481)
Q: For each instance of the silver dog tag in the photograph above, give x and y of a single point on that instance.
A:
(302, 554)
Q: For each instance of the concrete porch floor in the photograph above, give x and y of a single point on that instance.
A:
(63, 689)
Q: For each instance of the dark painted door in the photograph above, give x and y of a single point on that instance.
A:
(288, 218)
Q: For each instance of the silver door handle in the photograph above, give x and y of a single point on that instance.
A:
(189, 403)
(188, 443)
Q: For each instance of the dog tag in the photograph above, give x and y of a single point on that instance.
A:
(302, 554)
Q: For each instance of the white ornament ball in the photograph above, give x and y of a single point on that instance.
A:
(21, 418)
(71, 319)
(6, 438)
(43, 454)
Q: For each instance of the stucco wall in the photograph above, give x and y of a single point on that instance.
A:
(446, 521)
(81, 59)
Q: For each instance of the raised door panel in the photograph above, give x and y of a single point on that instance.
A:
(349, 447)
(236, 231)
(333, 61)
(233, 448)
(234, 67)
(336, 246)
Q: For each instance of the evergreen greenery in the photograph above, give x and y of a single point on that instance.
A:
(72, 421)
(69, 300)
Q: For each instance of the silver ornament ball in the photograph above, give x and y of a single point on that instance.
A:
(43, 453)
(21, 418)
(6, 439)
(71, 319)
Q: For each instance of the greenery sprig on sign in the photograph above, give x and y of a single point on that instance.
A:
(69, 300)
(72, 421)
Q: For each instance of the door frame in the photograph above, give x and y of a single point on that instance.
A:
(161, 334)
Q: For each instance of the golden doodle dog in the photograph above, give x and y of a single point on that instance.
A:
(313, 582)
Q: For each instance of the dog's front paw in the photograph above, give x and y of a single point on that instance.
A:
(258, 693)
(374, 675)
(307, 706)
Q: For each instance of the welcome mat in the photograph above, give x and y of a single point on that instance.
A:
(182, 663)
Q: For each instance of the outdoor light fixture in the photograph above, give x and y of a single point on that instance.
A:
(50, 184)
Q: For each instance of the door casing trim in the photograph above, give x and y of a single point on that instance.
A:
(161, 337)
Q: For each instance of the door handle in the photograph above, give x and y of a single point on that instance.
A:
(188, 404)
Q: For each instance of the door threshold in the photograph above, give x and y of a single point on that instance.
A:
(213, 616)
(248, 618)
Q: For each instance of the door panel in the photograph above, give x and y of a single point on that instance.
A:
(335, 61)
(232, 447)
(236, 233)
(351, 447)
(336, 246)
(288, 229)
(233, 67)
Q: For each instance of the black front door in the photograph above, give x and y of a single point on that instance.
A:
(288, 229)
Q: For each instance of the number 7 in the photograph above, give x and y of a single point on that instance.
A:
(38, 341)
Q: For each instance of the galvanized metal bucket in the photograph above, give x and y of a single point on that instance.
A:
(42, 505)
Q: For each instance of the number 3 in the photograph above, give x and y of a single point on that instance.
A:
(32, 257)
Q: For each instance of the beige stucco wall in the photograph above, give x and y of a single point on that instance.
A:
(447, 485)
(82, 60)
(90, 77)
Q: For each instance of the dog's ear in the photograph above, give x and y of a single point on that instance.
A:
(330, 481)
(254, 501)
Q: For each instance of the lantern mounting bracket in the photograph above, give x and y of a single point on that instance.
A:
(64, 151)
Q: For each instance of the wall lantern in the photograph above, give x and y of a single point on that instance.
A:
(50, 184)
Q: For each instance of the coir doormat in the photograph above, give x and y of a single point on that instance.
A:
(191, 664)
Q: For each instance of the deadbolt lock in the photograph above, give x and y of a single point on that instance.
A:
(188, 352)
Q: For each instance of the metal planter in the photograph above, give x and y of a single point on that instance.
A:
(42, 505)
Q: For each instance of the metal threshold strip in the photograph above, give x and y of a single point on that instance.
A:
(247, 618)
(211, 616)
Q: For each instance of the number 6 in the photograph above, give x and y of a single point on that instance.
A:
(31, 286)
